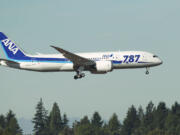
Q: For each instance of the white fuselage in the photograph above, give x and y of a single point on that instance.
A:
(120, 60)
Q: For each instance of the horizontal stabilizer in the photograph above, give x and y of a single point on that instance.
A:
(9, 63)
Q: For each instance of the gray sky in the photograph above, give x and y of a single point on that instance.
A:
(85, 26)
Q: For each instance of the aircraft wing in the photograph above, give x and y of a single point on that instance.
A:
(76, 59)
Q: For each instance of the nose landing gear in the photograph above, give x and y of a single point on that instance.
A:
(147, 71)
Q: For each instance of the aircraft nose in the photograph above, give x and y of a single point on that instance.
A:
(160, 61)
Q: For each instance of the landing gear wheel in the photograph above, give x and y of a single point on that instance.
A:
(147, 71)
(82, 75)
(75, 77)
(79, 73)
(79, 76)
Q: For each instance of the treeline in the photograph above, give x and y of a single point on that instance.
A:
(154, 120)
(9, 125)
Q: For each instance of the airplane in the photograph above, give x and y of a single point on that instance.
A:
(95, 62)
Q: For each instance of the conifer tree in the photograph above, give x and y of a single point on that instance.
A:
(114, 125)
(96, 120)
(131, 122)
(83, 127)
(55, 123)
(160, 115)
(40, 119)
(1, 130)
(149, 117)
(85, 120)
(65, 121)
(140, 113)
(14, 127)
(2, 121)
(11, 126)
(9, 116)
(172, 123)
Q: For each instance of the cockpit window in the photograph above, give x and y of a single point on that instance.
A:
(155, 56)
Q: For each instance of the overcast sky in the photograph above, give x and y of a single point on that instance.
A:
(86, 26)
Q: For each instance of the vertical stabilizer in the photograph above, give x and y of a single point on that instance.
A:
(10, 49)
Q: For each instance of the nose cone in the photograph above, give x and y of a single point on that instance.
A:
(159, 61)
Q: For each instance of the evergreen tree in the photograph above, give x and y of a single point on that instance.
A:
(14, 127)
(1, 130)
(12, 124)
(2, 121)
(66, 131)
(131, 122)
(172, 123)
(140, 113)
(105, 130)
(161, 115)
(156, 132)
(55, 123)
(96, 120)
(141, 129)
(176, 109)
(9, 116)
(149, 117)
(83, 127)
(65, 121)
(114, 125)
(40, 119)
(7, 132)
(97, 123)
(9, 124)
(85, 120)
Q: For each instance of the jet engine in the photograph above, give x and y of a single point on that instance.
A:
(103, 67)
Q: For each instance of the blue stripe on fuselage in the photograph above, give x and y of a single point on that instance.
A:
(38, 59)
(56, 60)
(50, 60)
(116, 62)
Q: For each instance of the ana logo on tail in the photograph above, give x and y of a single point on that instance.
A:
(11, 46)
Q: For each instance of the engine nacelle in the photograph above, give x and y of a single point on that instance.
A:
(103, 66)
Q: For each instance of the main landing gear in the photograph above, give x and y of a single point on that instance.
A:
(78, 76)
(79, 73)
(147, 70)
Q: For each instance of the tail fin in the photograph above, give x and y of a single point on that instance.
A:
(10, 48)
